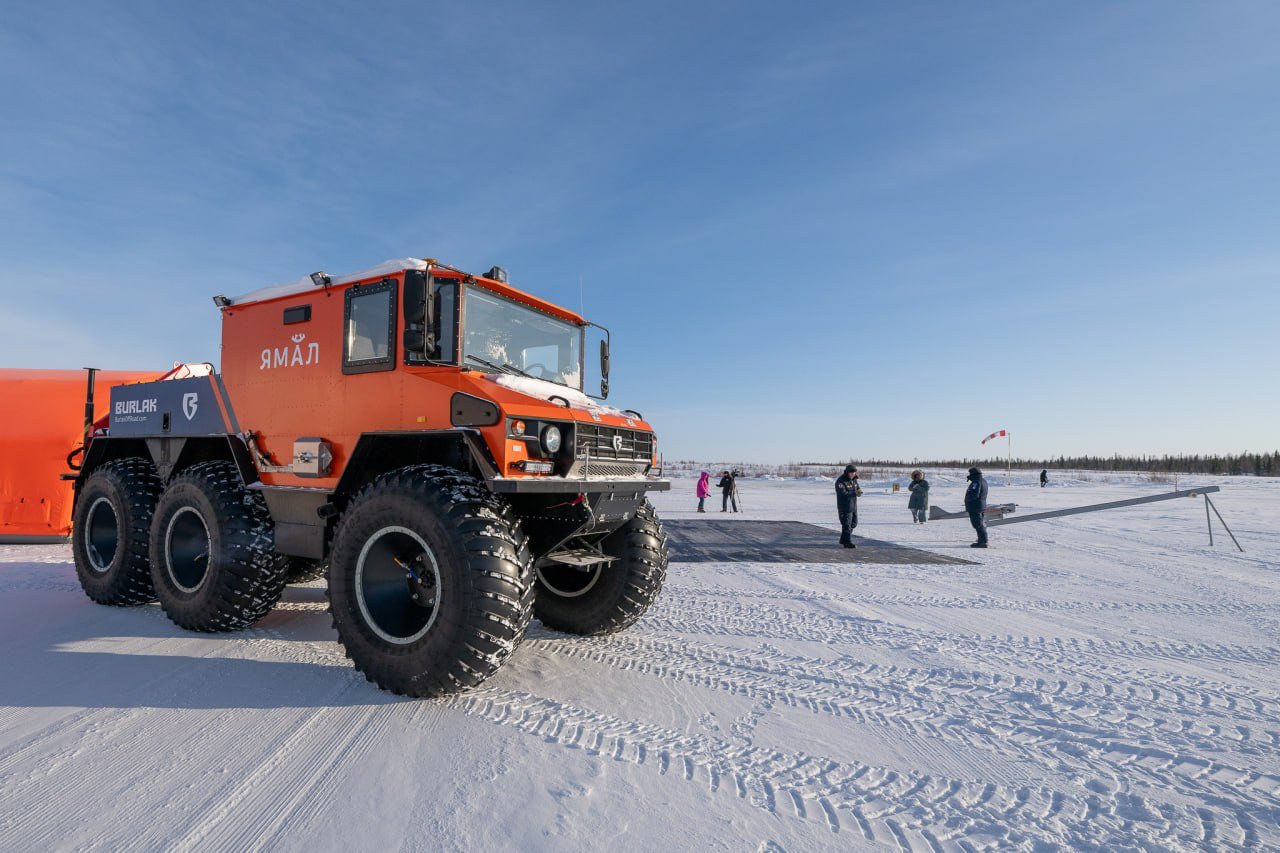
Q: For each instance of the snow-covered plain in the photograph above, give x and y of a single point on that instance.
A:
(1103, 680)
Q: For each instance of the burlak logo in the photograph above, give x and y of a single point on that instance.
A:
(190, 402)
(617, 443)
(136, 407)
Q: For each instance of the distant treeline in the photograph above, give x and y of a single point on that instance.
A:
(1257, 464)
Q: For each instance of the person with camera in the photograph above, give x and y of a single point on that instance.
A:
(848, 490)
(728, 491)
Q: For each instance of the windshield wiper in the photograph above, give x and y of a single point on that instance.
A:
(501, 368)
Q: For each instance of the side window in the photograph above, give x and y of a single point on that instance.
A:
(368, 340)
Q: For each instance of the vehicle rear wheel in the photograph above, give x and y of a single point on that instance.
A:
(211, 543)
(608, 597)
(430, 581)
(111, 529)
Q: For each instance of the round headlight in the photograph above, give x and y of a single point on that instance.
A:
(551, 440)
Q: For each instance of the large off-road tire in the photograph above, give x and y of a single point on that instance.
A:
(212, 561)
(438, 534)
(610, 596)
(110, 532)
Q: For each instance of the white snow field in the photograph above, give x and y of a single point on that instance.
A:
(1098, 681)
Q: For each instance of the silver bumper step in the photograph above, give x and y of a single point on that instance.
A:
(582, 558)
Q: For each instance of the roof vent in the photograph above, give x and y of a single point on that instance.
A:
(497, 274)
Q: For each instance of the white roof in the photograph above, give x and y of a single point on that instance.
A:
(305, 284)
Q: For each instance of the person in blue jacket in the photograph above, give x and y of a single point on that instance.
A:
(847, 493)
(975, 503)
(918, 503)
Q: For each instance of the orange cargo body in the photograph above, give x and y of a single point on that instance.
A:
(43, 421)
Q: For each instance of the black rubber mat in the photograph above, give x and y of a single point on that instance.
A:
(716, 541)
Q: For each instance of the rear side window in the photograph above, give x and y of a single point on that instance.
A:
(369, 328)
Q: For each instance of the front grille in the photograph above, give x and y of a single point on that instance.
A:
(581, 469)
(598, 441)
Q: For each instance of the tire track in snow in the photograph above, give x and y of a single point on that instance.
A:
(733, 618)
(48, 768)
(306, 759)
(88, 725)
(920, 810)
(982, 602)
(1046, 724)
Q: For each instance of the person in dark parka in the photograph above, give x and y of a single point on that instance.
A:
(847, 493)
(918, 503)
(1044, 477)
(728, 492)
(975, 503)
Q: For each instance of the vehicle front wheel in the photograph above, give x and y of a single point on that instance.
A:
(607, 597)
(430, 581)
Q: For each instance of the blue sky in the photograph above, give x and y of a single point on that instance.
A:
(817, 231)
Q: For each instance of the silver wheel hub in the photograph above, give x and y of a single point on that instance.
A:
(397, 585)
(187, 549)
(101, 535)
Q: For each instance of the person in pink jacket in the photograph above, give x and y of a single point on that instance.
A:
(704, 489)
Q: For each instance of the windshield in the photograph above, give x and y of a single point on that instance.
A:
(500, 335)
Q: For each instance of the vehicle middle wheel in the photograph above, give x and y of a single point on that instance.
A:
(212, 561)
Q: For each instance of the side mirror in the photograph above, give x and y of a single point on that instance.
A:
(418, 319)
(415, 297)
(604, 368)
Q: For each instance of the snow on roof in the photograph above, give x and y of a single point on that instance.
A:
(302, 285)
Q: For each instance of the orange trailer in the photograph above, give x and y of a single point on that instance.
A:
(44, 417)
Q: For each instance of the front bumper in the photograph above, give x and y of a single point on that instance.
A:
(564, 485)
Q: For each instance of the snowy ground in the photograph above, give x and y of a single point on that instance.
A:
(1105, 680)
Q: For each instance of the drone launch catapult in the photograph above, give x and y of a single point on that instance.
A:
(996, 514)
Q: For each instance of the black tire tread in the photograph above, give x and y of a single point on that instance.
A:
(500, 568)
(136, 478)
(255, 575)
(641, 548)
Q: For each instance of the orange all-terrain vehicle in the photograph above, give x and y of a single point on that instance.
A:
(418, 434)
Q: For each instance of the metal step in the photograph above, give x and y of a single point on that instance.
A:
(581, 557)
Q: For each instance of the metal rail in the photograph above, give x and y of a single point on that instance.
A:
(939, 514)
(1076, 510)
